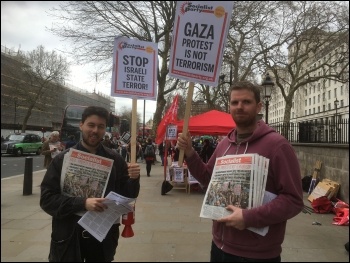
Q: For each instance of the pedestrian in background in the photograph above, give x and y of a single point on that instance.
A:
(69, 241)
(108, 143)
(206, 151)
(124, 150)
(161, 152)
(51, 148)
(71, 142)
(149, 155)
(232, 241)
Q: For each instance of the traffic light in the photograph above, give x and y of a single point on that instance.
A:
(111, 120)
(124, 126)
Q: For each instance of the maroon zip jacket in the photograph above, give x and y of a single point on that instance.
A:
(284, 180)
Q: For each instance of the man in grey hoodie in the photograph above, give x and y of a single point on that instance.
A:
(232, 241)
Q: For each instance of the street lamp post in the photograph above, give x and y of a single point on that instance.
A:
(336, 103)
(15, 119)
(268, 85)
(222, 78)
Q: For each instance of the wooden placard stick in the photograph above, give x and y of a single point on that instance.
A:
(186, 119)
(133, 131)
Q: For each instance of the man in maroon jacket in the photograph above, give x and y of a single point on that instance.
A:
(232, 241)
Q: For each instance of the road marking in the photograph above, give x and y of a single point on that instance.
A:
(16, 176)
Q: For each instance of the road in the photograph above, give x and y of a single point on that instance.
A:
(11, 165)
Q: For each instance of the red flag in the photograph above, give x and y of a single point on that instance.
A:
(169, 117)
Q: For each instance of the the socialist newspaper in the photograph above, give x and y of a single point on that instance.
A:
(99, 223)
(237, 180)
(85, 174)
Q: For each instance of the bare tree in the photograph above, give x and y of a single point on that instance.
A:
(91, 27)
(259, 32)
(254, 31)
(317, 51)
(33, 77)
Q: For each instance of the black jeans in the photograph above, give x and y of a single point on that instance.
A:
(91, 249)
(149, 166)
(217, 255)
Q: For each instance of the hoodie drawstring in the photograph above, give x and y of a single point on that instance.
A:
(238, 145)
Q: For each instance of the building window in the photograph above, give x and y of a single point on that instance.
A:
(335, 92)
(305, 112)
(314, 99)
(313, 110)
(309, 111)
(329, 94)
(309, 101)
(329, 106)
(341, 103)
(323, 96)
(318, 98)
(318, 109)
(324, 108)
(305, 102)
(341, 90)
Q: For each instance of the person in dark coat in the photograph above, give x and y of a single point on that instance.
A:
(161, 152)
(149, 157)
(69, 241)
(207, 151)
(71, 142)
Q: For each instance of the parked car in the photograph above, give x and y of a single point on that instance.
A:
(21, 143)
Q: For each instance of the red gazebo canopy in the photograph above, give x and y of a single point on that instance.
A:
(211, 123)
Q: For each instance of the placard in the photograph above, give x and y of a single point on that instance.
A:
(171, 133)
(134, 73)
(178, 174)
(126, 137)
(199, 36)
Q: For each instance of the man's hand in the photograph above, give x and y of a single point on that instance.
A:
(235, 219)
(184, 142)
(134, 170)
(95, 204)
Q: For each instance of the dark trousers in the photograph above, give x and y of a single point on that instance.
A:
(149, 166)
(91, 250)
(162, 158)
(217, 255)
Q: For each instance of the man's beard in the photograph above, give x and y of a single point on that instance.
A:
(86, 141)
(245, 122)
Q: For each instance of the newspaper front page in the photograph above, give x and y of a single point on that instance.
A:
(230, 184)
(237, 180)
(85, 174)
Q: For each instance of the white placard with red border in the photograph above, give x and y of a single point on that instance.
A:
(199, 36)
(171, 132)
(134, 73)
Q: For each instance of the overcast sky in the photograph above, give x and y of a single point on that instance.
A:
(23, 25)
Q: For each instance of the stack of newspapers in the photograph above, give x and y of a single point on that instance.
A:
(237, 180)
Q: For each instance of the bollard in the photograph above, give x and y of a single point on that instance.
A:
(28, 176)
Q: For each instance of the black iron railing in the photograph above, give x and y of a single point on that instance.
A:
(330, 131)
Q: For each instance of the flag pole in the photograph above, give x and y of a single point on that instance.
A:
(186, 119)
(133, 132)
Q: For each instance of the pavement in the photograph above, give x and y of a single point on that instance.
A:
(167, 227)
